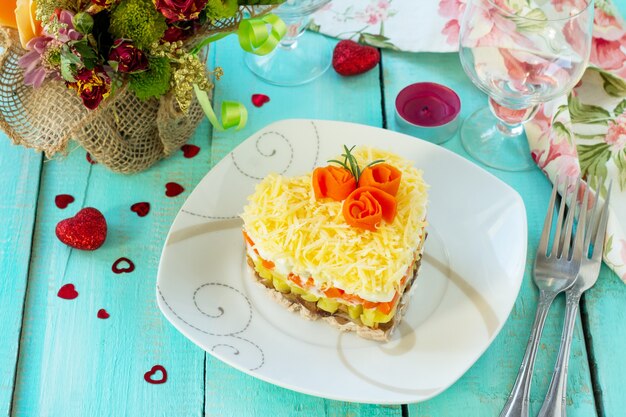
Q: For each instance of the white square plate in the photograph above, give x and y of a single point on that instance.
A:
(471, 273)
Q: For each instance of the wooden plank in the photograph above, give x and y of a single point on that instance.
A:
(73, 363)
(230, 392)
(19, 183)
(484, 388)
(603, 315)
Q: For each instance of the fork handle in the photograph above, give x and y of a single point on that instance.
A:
(517, 404)
(554, 404)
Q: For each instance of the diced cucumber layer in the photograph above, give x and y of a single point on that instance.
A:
(281, 285)
(310, 297)
(327, 304)
(355, 311)
(368, 316)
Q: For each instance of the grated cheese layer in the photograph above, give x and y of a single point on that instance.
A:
(310, 237)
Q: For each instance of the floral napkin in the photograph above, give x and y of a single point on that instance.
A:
(582, 133)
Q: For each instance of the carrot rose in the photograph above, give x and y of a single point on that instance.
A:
(382, 176)
(367, 206)
(334, 182)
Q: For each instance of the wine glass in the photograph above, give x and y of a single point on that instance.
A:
(521, 53)
(299, 57)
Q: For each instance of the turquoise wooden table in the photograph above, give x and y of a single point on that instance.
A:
(58, 358)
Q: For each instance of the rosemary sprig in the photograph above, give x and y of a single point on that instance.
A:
(351, 164)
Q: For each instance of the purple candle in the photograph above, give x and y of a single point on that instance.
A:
(429, 111)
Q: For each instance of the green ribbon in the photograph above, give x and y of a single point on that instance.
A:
(233, 114)
(254, 36)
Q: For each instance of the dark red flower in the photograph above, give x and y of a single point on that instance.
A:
(126, 57)
(178, 32)
(92, 86)
(177, 10)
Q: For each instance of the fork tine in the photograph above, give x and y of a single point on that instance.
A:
(565, 239)
(557, 245)
(593, 218)
(598, 244)
(577, 251)
(547, 223)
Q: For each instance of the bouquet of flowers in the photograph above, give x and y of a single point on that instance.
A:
(118, 59)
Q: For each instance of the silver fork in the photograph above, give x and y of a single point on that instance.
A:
(554, 404)
(553, 273)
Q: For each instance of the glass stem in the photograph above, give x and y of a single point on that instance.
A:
(510, 130)
(295, 28)
(510, 121)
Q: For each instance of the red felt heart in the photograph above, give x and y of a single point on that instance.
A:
(142, 209)
(90, 159)
(86, 231)
(103, 314)
(189, 151)
(259, 99)
(350, 58)
(63, 200)
(149, 376)
(122, 269)
(172, 189)
(67, 292)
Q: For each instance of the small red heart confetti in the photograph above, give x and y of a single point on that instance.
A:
(103, 314)
(259, 99)
(189, 151)
(172, 189)
(351, 58)
(90, 159)
(119, 270)
(149, 376)
(67, 292)
(63, 200)
(142, 209)
(87, 230)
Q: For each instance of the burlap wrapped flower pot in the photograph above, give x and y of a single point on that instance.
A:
(124, 133)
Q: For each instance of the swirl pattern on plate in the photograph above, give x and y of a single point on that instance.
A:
(239, 346)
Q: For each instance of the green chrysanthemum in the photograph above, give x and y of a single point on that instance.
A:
(221, 9)
(154, 82)
(137, 20)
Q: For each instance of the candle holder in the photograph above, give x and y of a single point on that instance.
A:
(429, 111)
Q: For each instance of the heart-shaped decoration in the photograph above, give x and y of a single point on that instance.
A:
(86, 231)
(142, 209)
(189, 151)
(351, 58)
(172, 189)
(150, 375)
(90, 159)
(67, 292)
(123, 269)
(63, 200)
(103, 314)
(259, 99)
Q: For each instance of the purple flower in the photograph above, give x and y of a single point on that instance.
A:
(43, 56)
(67, 32)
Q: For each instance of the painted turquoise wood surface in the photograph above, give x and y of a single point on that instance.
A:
(73, 364)
(20, 183)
